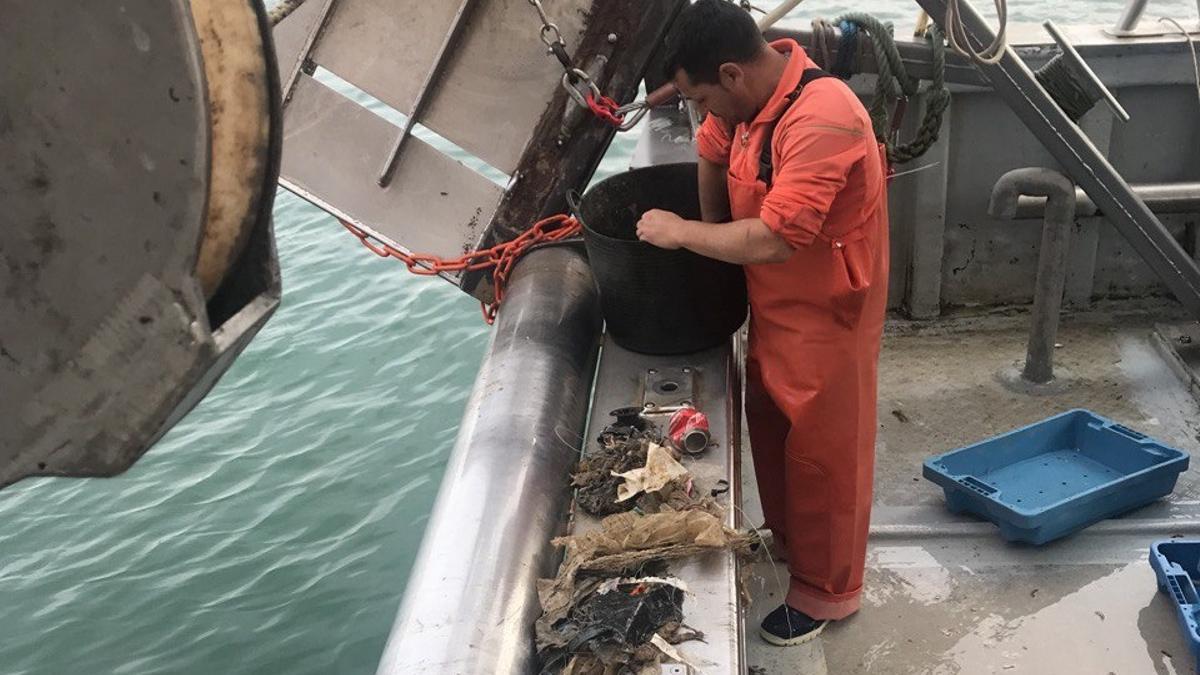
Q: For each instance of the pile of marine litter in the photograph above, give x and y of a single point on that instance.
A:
(612, 609)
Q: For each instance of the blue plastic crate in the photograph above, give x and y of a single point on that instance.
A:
(1057, 476)
(1176, 563)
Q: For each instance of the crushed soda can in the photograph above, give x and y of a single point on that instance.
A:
(688, 431)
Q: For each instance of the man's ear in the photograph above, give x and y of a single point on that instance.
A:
(730, 74)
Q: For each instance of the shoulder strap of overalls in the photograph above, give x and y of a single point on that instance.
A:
(765, 170)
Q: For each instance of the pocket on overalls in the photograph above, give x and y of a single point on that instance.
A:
(853, 265)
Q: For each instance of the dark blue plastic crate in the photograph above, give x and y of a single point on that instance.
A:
(1176, 563)
(1057, 476)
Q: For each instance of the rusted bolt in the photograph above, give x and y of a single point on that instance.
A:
(1185, 339)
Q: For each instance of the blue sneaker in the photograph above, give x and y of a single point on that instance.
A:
(787, 627)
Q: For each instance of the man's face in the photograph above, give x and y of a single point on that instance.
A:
(728, 98)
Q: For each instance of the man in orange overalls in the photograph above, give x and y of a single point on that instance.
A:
(793, 187)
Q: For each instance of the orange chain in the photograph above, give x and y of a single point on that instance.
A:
(605, 109)
(500, 258)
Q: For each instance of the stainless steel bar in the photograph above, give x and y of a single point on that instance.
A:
(471, 600)
(1130, 17)
(302, 56)
(1052, 257)
(424, 93)
(1016, 84)
(1159, 197)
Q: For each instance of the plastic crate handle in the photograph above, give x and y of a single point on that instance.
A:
(975, 485)
(1180, 585)
(1127, 432)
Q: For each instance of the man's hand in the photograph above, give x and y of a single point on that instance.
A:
(662, 229)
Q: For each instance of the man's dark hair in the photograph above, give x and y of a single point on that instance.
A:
(707, 34)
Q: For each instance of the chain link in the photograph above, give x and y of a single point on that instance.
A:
(500, 258)
(573, 79)
(550, 34)
(579, 85)
(631, 114)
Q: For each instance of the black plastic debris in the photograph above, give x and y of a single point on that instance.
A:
(628, 616)
(615, 623)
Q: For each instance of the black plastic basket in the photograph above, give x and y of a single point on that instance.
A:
(657, 301)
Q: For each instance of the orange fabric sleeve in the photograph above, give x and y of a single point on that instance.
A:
(713, 140)
(816, 146)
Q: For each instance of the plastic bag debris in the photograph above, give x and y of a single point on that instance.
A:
(622, 446)
(660, 469)
(623, 542)
(611, 584)
(613, 609)
(628, 616)
(598, 479)
(670, 651)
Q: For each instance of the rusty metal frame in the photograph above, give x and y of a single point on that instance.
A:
(640, 27)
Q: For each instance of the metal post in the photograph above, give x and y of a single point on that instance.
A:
(1130, 17)
(1052, 258)
(1015, 83)
(471, 599)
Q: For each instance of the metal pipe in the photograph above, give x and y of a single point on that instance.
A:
(1130, 17)
(1160, 197)
(471, 599)
(1052, 258)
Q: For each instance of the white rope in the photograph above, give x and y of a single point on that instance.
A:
(956, 34)
(777, 14)
(1192, 44)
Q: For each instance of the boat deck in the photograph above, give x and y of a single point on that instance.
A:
(944, 593)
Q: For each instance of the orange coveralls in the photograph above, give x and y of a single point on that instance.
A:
(816, 322)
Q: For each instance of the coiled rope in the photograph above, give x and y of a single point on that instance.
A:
(893, 84)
